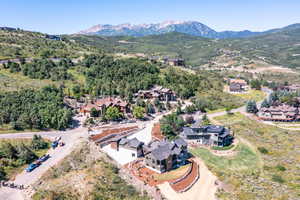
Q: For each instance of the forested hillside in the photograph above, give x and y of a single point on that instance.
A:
(29, 109)
(19, 43)
(280, 48)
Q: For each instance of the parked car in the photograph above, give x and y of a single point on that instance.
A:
(44, 158)
(31, 167)
(54, 144)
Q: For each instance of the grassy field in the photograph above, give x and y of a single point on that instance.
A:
(245, 160)
(256, 95)
(6, 128)
(16, 81)
(278, 178)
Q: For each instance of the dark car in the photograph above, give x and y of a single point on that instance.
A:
(44, 158)
(54, 144)
(31, 167)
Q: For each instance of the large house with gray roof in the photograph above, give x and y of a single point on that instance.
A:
(164, 155)
(132, 146)
(210, 135)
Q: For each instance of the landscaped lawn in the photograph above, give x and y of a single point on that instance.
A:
(172, 174)
(256, 95)
(277, 172)
(246, 159)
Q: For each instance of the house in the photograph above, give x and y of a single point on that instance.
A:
(211, 135)
(157, 92)
(53, 37)
(102, 104)
(164, 155)
(133, 146)
(174, 61)
(282, 112)
(289, 88)
(238, 85)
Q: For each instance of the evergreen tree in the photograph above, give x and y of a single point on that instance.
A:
(38, 142)
(265, 104)
(251, 107)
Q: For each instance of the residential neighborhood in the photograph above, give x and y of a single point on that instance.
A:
(149, 100)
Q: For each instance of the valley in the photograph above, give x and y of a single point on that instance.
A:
(153, 115)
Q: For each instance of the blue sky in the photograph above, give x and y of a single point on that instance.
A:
(70, 16)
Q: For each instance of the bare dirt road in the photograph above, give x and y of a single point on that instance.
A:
(203, 189)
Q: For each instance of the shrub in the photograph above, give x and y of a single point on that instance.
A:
(277, 179)
(263, 150)
(280, 168)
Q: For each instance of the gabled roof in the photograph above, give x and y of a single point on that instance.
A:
(180, 142)
(134, 143)
(187, 131)
(214, 129)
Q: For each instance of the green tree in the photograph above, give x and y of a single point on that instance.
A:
(251, 107)
(7, 150)
(205, 120)
(265, 104)
(2, 174)
(38, 142)
(171, 125)
(94, 112)
(25, 155)
(113, 113)
(138, 112)
(150, 108)
(255, 84)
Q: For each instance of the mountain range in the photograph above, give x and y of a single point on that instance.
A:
(188, 27)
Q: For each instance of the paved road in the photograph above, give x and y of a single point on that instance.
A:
(71, 138)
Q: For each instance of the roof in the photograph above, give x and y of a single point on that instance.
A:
(108, 101)
(123, 141)
(213, 129)
(180, 142)
(239, 81)
(134, 143)
(197, 124)
(187, 131)
(163, 149)
(162, 152)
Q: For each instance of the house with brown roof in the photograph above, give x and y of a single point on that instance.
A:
(282, 112)
(238, 85)
(157, 92)
(104, 103)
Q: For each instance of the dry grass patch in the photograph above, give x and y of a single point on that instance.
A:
(174, 174)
